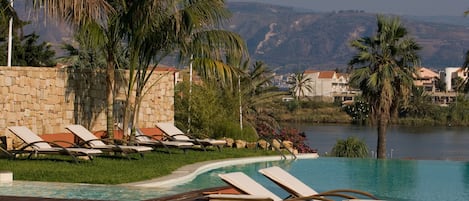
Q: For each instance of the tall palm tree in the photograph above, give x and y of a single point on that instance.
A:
(300, 84)
(383, 69)
(192, 27)
(90, 18)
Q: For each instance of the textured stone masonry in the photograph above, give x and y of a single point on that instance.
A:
(47, 99)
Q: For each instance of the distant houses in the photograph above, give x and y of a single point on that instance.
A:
(333, 86)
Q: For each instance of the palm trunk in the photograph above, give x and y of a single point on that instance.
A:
(110, 98)
(381, 146)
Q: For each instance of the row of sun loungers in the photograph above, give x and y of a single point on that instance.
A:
(91, 145)
(252, 190)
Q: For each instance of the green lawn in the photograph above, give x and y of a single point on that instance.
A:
(104, 170)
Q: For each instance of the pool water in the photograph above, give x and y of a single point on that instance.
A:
(400, 180)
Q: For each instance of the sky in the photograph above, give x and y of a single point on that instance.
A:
(398, 7)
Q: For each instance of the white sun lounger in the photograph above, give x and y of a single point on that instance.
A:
(252, 190)
(36, 145)
(297, 188)
(175, 134)
(91, 140)
(247, 185)
(147, 140)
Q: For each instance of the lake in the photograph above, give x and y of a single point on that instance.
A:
(404, 142)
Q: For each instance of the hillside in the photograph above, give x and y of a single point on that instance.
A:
(295, 40)
(292, 40)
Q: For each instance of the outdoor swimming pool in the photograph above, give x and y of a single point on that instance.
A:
(400, 180)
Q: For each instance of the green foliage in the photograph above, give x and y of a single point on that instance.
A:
(300, 85)
(457, 114)
(233, 130)
(204, 107)
(359, 111)
(292, 105)
(352, 147)
(26, 51)
(383, 70)
(29, 53)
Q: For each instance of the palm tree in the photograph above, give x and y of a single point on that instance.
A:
(90, 18)
(300, 84)
(192, 27)
(153, 30)
(257, 94)
(383, 69)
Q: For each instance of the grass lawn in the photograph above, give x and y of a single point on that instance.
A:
(105, 170)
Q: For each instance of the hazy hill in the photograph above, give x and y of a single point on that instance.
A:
(295, 40)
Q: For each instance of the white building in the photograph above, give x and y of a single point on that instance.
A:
(326, 83)
(451, 73)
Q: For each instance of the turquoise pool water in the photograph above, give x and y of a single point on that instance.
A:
(400, 180)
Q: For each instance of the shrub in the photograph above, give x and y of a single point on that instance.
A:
(296, 137)
(352, 147)
(232, 130)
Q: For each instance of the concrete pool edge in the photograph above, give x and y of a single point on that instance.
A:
(189, 172)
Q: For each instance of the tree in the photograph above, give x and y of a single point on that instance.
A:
(152, 30)
(25, 48)
(257, 95)
(383, 69)
(190, 27)
(300, 84)
(352, 147)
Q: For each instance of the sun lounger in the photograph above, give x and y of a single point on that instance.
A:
(147, 140)
(175, 134)
(297, 188)
(247, 185)
(36, 145)
(251, 189)
(92, 141)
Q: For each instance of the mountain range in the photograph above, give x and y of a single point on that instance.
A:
(292, 40)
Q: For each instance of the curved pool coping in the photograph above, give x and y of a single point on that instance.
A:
(189, 172)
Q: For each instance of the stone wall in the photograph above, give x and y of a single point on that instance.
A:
(47, 99)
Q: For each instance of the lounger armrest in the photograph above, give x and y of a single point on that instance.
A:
(309, 198)
(84, 143)
(52, 144)
(350, 191)
(235, 197)
(65, 142)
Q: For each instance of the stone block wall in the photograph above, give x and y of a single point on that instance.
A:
(47, 99)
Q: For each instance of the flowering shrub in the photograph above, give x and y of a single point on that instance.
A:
(290, 134)
(359, 111)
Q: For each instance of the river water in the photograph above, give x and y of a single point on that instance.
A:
(403, 142)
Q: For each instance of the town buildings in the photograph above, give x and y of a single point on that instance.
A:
(440, 85)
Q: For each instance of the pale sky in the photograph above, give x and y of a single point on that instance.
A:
(398, 7)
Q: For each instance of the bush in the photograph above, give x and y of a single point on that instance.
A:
(352, 147)
(233, 130)
(296, 137)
